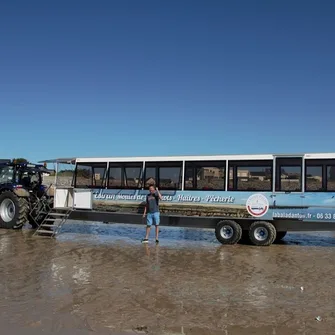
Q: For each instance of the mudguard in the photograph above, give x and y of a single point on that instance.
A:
(21, 192)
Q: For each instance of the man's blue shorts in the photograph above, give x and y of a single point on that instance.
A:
(153, 219)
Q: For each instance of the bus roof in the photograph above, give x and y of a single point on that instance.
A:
(59, 160)
(188, 158)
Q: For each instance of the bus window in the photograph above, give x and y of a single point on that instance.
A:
(331, 178)
(319, 175)
(151, 177)
(115, 175)
(165, 175)
(205, 175)
(125, 175)
(190, 179)
(90, 175)
(288, 174)
(132, 175)
(313, 177)
(250, 175)
(170, 177)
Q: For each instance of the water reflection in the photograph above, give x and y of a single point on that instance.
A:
(104, 233)
(112, 232)
(81, 274)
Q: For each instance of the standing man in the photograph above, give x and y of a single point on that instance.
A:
(151, 210)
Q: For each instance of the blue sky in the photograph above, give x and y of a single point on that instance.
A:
(106, 78)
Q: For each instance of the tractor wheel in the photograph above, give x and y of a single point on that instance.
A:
(13, 211)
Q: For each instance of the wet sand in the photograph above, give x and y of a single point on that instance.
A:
(97, 278)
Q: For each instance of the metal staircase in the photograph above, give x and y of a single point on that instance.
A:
(53, 222)
(49, 220)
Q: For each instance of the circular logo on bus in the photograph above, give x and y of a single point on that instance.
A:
(257, 205)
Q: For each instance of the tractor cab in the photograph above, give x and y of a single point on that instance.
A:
(29, 177)
(25, 175)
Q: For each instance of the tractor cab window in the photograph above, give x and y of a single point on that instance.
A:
(29, 178)
(6, 174)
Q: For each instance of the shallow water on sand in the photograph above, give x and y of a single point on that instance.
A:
(96, 278)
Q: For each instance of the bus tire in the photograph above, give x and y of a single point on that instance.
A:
(228, 232)
(262, 233)
(280, 235)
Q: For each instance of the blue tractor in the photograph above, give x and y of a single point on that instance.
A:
(23, 197)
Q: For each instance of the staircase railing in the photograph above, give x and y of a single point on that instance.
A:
(42, 206)
(49, 227)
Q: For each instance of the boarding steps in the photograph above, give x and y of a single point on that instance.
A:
(42, 205)
(53, 222)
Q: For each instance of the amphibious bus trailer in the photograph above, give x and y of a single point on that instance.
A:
(255, 197)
